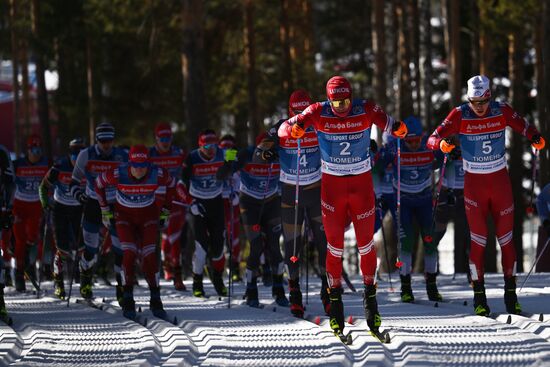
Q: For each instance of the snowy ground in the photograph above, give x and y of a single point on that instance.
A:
(45, 331)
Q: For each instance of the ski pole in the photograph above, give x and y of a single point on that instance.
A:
(230, 282)
(76, 259)
(429, 237)
(385, 247)
(398, 263)
(306, 249)
(535, 263)
(530, 208)
(294, 258)
(256, 227)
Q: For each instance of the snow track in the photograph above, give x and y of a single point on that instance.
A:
(46, 332)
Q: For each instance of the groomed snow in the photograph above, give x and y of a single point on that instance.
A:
(46, 332)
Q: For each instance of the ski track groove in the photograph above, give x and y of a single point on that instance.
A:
(208, 334)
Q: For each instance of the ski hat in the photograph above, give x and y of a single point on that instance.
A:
(138, 156)
(163, 131)
(298, 101)
(479, 87)
(34, 140)
(75, 146)
(104, 132)
(260, 138)
(227, 142)
(414, 127)
(338, 88)
(207, 137)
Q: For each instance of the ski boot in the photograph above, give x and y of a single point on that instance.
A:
(119, 289)
(155, 304)
(3, 311)
(406, 289)
(336, 315)
(510, 296)
(236, 272)
(59, 286)
(296, 306)
(20, 281)
(278, 291)
(8, 281)
(371, 308)
(178, 281)
(251, 294)
(480, 299)
(128, 303)
(267, 276)
(86, 283)
(431, 287)
(324, 295)
(198, 289)
(217, 281)
(168, 271)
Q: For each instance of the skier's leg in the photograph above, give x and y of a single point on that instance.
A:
(216, 226)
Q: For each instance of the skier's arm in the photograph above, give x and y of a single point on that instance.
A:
(79, 173)
(182, 194)
(520, 125)
(7, 177)
(101, 183)
(450, 126)
(47, 182)
(543, 201)
(303, 120)
(187, 171)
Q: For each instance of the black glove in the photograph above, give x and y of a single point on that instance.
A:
(455, 154)
(6, 219)
(81, 197)
(451, 199)
(269, 155)
(373, 146)
(546, 225)
(381, 204)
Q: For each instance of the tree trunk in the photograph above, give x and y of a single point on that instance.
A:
(25, 88)
(544, 90)
(284, 37)
(250, 64)
(42, 93)
(15, 79)
(90, 90)
(378, 48)
(415, 52)
(426, 74)
(391, 25)
(485, 49)
(451, 12)
(404, 92)
(516, 52)
(192, 61)
(474, 36)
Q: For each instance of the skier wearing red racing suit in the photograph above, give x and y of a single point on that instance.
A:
(166, 155)
(343, 130)
(142, 189)
(481, 125)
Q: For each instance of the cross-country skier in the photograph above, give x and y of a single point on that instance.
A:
(66, 210)
(417, 164)
(144, 194)
(199, 177)
(450, 205)
(101, 157)
(261, 214)
(27, 209)
(343, 129)
(166, 155)
(543, 209)
(231, 203)
(309, 199)
(481, 124)
(7, 189)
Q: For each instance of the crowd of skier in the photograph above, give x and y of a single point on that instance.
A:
(306, 178)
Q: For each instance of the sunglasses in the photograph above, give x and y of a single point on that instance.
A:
(342, 103)
(480, 102)
(208, 146)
